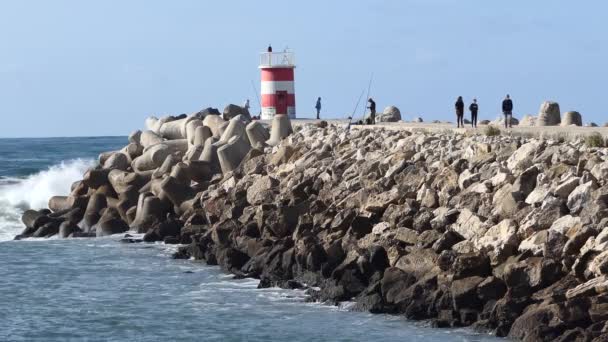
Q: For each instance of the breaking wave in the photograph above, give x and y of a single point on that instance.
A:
(34, 191)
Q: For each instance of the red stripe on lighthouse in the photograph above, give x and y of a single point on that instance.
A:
(271, 100)
(277, 74)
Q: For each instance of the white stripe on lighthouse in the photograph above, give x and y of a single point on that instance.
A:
(271, 87)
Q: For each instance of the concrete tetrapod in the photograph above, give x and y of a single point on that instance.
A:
(281, 128)
(221, 128)
(173, 129)
(243, 118)
(179, 146)
(176, 191)
(152, 158)
(201, 134)
(118, 161)
(121, 180)
(165, 167)
(209, 154)
(213, 122)
(180, 173)
(257, 134)
(234, 128)
(194, 152)
(62, 203)
(132, 151)
(97, 202)
(149, 138)
(199, 170)
(549, 114)
(149, 209)
(151, 123)
(96, 178)
(135, 136)
(191, 127)
(232, 153)
(110, 223)
(572, 118)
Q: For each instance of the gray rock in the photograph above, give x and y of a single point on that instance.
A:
(390, 114)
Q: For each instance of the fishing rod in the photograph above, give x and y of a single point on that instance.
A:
(350, 120)
(255, 91)
(369, 87)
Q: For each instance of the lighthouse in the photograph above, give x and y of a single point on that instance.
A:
(278, 92)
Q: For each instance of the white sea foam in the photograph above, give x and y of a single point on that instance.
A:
(33, 192)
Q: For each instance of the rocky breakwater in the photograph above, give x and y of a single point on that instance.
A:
(504, 234)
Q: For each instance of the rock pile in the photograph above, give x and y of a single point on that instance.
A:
(506, 234)
(159, 173)
(549, 114)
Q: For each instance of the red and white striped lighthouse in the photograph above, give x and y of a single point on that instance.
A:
(278, 91)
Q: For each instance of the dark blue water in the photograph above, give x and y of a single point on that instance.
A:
(103, 290)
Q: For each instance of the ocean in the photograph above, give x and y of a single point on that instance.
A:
(104, 290)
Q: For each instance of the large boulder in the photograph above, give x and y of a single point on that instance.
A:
(549, 114)
(232, 110)
(390, 114)
(500, 241)
(572, 118)
(523, 157)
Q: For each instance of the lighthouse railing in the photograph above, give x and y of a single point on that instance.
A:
(272, 59)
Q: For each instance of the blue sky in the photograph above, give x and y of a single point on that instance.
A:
(77, 68)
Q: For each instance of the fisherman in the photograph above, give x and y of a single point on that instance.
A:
(474, 108)
(459, 112)
(507, 110)
(318, 108)
(372, 112)
(246, 105)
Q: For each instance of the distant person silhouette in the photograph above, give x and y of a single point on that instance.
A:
(246, 104)
(507, 110)
(474, 108)
(372, 112)
(318, 108)
(269, 48)
(459, 112)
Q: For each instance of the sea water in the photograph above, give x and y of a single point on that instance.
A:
(104, 290)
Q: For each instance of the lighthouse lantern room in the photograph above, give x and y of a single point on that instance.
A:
(278, 92)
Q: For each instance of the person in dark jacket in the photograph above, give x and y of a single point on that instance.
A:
(474, 108)
(269, 48)
(460, 112)
(372, 112)
(318, 108)
(507, 110)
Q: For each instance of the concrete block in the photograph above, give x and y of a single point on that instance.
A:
(281, 128)
(232, 153)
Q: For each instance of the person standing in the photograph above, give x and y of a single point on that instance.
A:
(269, 50)
(459, 112)
(507, 110)
(474, 108)
(372, 112)
(246, 105)
(318, 108)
